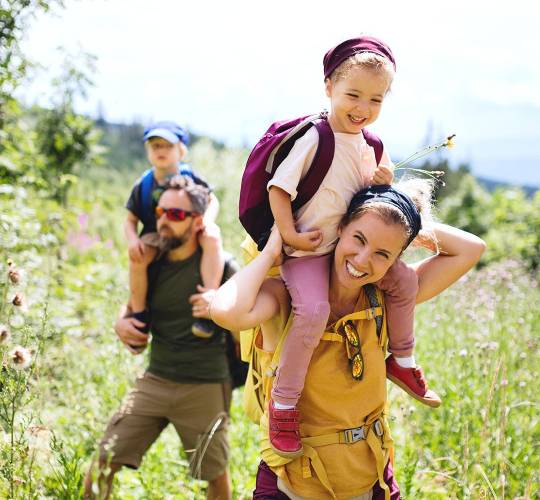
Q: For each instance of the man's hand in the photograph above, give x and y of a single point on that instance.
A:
(383, 175)
(133, 339)
(200, 302)
(136, 250)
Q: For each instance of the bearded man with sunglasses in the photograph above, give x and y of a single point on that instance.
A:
(187, 380)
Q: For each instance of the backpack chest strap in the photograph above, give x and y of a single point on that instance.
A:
(377, 436)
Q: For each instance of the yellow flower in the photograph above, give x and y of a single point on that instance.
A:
(450, 141)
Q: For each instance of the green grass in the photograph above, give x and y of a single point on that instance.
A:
(478, 344)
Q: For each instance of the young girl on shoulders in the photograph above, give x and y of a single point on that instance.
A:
(358, 74)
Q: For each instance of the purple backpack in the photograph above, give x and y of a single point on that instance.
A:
(267, 155)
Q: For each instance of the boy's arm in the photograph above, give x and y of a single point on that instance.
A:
(135, 245)
(280, 204)
(212, 210)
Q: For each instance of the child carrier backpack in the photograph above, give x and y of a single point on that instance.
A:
(254, 394)
(274, 146)
(145, 193)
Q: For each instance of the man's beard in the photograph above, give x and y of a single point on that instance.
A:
(168, 243)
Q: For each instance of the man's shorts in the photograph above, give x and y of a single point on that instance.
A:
(199, 413)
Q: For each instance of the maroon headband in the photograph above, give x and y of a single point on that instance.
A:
(334, 57)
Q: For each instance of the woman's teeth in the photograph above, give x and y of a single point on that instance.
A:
(353, 272)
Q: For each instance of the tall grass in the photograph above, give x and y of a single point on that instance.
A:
(478, 343)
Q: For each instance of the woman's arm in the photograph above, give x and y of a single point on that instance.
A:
(459, 251)
(245, 301)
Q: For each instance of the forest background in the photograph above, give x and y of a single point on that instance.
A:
(64, 178)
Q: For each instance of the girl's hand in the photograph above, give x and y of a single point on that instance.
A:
(383, 175)
(307, 241)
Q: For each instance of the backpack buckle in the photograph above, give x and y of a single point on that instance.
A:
(378, 428)
(355, 434)
(370, 313)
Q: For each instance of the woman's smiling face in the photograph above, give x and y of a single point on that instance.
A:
(366, 249)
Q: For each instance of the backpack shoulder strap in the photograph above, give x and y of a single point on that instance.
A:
(371, 294)
(375, 142)
(322, 160)
(147, 180)
(185, 169)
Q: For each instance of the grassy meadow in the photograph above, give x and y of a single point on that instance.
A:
(479, 344)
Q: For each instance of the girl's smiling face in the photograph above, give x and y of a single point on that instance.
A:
(366, 249)
(356, 99)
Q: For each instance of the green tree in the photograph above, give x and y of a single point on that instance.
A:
(14, 18)
(469, 207)
(65, 139)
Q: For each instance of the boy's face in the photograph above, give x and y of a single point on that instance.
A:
(356, 100)
(162, 154)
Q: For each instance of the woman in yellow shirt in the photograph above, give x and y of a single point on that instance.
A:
(346, 441)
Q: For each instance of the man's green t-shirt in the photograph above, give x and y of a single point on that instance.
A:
(176, 354)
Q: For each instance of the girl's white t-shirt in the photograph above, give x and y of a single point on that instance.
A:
(351, 170)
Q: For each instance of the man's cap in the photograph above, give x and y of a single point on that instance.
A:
(169, 131)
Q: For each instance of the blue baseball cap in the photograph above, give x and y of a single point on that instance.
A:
(169, 131)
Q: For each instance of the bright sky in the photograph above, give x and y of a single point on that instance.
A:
(228, 69)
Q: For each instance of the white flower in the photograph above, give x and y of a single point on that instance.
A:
(20, 357)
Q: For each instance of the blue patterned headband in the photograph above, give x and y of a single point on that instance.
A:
(387, 194)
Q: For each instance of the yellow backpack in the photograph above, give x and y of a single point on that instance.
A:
(254, 395)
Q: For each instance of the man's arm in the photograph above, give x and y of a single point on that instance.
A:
(126, 329)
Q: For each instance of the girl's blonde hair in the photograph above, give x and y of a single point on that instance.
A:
(421, 193)
(366, 60)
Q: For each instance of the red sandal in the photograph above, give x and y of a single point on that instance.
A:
(412, 381)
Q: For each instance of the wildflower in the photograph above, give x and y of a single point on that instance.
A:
(450, 141)
(404, 165)
(18, 300)
(14, 275)
(20, 357)
(4, 334)
(463, 352)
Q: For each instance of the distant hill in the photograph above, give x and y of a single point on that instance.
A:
(124, 150)
(491, 185)
(124, 146)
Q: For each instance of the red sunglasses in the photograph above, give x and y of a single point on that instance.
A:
(174, 214)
